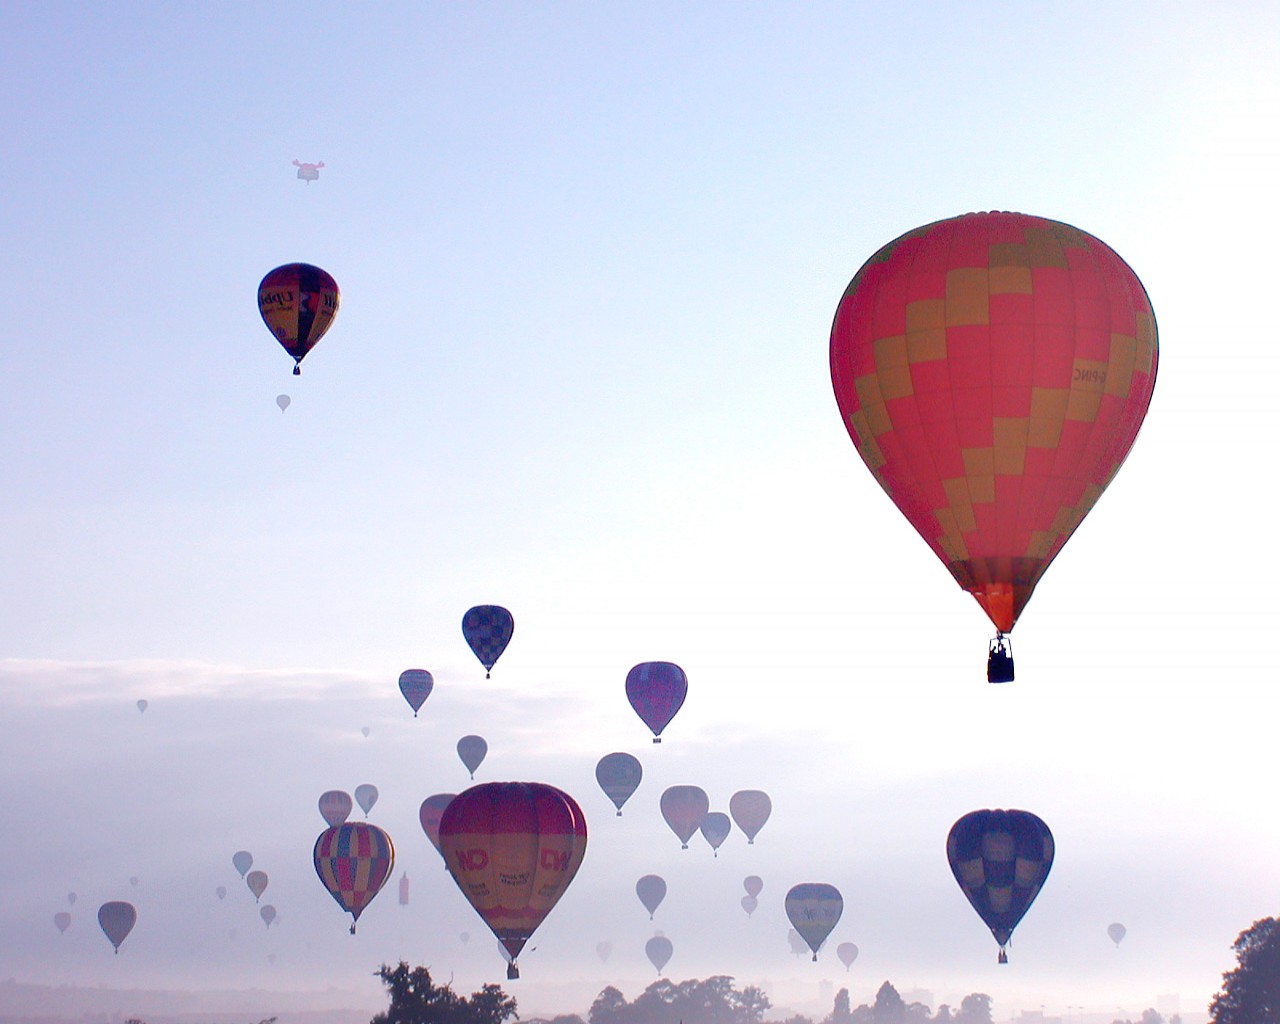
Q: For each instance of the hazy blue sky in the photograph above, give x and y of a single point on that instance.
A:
(589, 255)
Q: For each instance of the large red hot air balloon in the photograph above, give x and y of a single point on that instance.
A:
(354, 861)
(513, 848)
(298, 303)
(993, 370)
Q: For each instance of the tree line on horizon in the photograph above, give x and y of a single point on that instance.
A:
(1250, 994)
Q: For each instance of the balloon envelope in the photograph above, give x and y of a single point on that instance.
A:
(335, 806)
(814, 908)
(257, 883)
(71, 898)
(513, 848)
(117, 918)
(604, 950)
(683, 808)
(429, 816)
(1001, 859)
(848, 953)
(1116, 932)
(366, 797)
(750, 809)
(416, 684)
(993, 370)
(715, 828)
(221, 892)
(267, 913)
(749, 904)
(242, 860)
(298, 303)
(62, 920)
(353, 861)
(283, 401)
(619, 776)
(652, 890)
(754, 885)
(656, 689)
(488, 629)
(142, 706)
(658, 950)
(472, 751)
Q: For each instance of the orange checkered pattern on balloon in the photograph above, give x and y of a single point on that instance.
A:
(993, 371)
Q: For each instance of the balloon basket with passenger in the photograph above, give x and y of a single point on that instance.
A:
(1000, 659)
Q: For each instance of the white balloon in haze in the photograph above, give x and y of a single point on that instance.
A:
(283, 402)
(652, 890)
(658, 949)
(472, 750)
(366, 797)
(715, 829)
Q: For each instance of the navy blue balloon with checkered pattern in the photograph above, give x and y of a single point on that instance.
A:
(1000, 859)
(488, 629)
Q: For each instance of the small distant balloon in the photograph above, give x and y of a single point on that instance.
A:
(1116, 932)
(656, 690)
(257, 883)
(488, 629)
(404, 890)
(283, 401)
(848, 953)
(365, 732)
(466, 937)
(715, 829)
(814, 908)
(221, 892)
(683, 808)
(619, 776)
(750, 809)
(652, 890)
(335, 806)
(429, 816)
(116, 919)
(309, 172)
(267, 913)
(62, 920)
(242, 860)
(749, 904)
(472, 751)
(71, 898)
(604, 950)
(142, 706)
(754, 885)
(658, 949)
(133, 881)
(416, 684)
(798, 946)
(366, 797)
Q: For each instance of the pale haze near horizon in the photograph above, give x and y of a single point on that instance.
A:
(589, 259)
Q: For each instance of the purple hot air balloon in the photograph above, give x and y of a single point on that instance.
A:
(416, 684)
(656, 689)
